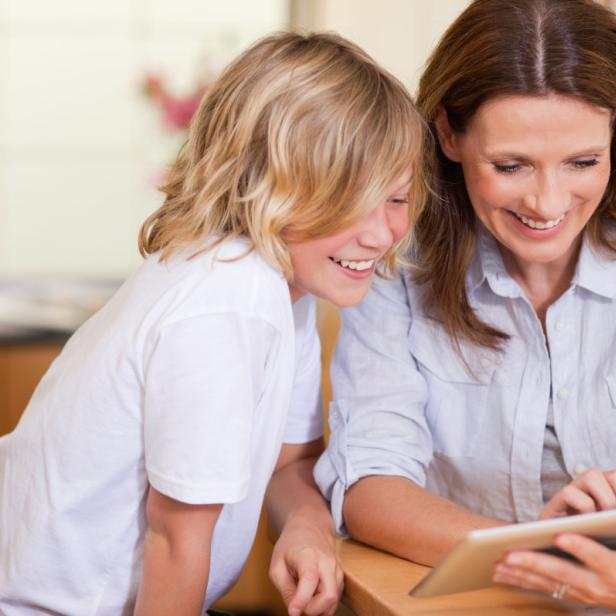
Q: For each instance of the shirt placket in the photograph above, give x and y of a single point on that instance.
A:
(560, 325)
(530, 418)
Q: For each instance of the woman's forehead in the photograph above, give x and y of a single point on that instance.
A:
(513, 122)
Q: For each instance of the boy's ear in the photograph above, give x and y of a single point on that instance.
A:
(447, 138)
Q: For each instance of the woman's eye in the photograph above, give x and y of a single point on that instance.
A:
(584, 164)
(507, 168)
(399, 200)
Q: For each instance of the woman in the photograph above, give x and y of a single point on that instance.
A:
(480, 389)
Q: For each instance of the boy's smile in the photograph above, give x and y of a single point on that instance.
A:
(354, 266)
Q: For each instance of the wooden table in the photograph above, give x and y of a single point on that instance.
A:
(377, 584)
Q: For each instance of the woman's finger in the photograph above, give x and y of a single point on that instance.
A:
(611, 479)
(595, 483)
(552, 568)
(577, 498)
(595, 556)
(528, 580)
(524, 578)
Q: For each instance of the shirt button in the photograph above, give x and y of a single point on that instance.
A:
(334, 414)
(579, 469)
(563, 394)
(560, 325)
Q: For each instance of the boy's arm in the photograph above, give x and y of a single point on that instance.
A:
(176, 558)
(304, 566)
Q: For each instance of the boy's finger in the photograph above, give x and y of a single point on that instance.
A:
(327, 594)
(284, 582)
(306, 587)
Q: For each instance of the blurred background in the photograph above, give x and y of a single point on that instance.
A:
(95, 98)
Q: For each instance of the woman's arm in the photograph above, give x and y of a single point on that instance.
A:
(304, 565)
(381, 444)
(399, 516)
(176, 558)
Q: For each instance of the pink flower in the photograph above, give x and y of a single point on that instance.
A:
(176, 111)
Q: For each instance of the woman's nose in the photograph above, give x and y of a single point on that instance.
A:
(550, 198)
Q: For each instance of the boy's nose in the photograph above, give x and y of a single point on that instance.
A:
(376, 231)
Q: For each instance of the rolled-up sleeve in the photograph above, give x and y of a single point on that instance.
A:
(377, 420)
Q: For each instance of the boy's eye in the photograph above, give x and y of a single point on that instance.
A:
(584, 164)
(507, 168)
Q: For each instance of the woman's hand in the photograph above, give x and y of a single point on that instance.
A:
(591, 582)
(305, 569)
(594, 490)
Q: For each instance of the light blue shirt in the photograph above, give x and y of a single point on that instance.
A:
(405, 404)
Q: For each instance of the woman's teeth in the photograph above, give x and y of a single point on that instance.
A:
(359, 266)
(535, 224)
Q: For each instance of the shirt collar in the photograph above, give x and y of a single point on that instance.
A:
(487, 265)
(596, 270)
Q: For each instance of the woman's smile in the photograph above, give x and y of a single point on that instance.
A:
(535, 228)
(538, 224)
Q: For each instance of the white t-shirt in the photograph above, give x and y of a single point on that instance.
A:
(190, 379)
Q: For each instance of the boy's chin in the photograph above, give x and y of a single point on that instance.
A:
(345, 298)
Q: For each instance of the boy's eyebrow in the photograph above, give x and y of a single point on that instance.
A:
(402, 186)
(405, 181)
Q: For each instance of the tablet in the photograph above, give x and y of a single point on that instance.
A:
(470, 564)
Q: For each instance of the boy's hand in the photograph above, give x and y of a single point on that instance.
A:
(305, 569)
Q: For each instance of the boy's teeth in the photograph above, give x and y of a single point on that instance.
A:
(534, 224)
(359, 266)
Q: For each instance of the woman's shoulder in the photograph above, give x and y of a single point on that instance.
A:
(391, 304)
(399, 293)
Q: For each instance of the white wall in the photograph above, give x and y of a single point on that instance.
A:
(397, 33)
(79, 144)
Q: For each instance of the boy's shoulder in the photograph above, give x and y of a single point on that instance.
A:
(227, 279)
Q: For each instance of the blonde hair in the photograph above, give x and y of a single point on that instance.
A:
(298, 138)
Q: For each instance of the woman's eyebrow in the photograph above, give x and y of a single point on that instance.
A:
(512, 154)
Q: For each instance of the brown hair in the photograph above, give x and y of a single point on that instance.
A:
(496, 48)
(299, 137)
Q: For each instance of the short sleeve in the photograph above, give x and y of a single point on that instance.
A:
(305, 418)
(203, 382)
